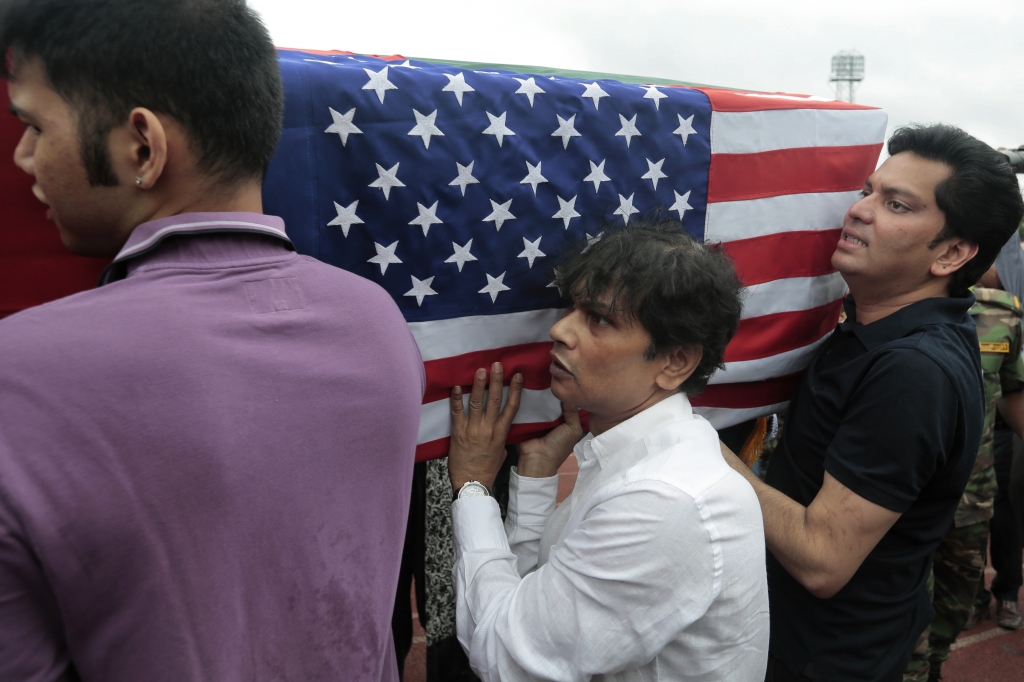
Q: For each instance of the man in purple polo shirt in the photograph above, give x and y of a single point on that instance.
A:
(205, 462)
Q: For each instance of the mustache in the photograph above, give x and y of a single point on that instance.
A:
(562, 363)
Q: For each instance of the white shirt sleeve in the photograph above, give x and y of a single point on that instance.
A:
(531, 501)
(637, 570)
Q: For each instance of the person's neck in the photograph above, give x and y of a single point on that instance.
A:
(247, 198)
(599, 423)
(874, 303)
(196, 195)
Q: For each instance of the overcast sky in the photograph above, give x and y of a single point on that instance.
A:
(955, 62)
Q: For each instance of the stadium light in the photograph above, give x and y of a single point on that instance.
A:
(847, 70)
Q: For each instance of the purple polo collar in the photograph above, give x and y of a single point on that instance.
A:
(148, 236)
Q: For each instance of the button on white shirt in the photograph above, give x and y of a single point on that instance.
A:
(653, 569)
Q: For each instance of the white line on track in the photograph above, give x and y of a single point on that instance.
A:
(980, 637)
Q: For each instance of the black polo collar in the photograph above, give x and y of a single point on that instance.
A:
(905, 320)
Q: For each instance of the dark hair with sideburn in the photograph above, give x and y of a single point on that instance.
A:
(208, 64)
(980, 200)
(682, 292)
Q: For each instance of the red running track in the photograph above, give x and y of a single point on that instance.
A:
(987, 653)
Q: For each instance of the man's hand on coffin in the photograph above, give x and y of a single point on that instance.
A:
(479, 430)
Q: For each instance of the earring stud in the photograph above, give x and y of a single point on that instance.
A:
(138, 181)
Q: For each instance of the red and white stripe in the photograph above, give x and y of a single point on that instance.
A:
(453, 349)
(784, 170)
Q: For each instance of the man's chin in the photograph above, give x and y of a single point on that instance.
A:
(561, 391)
(843, 262)
(836, 256)
(70, 241)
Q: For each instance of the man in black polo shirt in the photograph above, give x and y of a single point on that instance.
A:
(881, 436)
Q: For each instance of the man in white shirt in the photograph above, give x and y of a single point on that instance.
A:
(654, 568)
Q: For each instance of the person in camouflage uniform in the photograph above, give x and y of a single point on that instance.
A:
(959, 563)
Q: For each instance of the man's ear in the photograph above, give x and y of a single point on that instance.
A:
(953, 255)
(679, 363)
(145, 147)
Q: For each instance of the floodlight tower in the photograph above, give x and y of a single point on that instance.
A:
(847, 70)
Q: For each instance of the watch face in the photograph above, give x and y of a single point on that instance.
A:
(473, 490)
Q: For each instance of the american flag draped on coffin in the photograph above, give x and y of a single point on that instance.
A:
(454, 186)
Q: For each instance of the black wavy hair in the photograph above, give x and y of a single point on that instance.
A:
(209, 64)
(682, 292)
(980, 200)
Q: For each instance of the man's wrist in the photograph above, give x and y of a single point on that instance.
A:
(462, 479)
(535, 467)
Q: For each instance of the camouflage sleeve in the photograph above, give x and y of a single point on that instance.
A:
(1011, 374)
(1010, 266)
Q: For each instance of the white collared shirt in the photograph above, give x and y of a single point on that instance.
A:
(653, 569)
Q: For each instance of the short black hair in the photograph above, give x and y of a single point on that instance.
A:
(209, 64)
(682, 292)
(980, 200)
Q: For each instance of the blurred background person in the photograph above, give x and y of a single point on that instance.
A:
(959, 564)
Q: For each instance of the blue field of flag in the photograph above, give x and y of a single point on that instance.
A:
(455, 189)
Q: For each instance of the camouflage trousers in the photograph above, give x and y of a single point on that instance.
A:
(957, 569)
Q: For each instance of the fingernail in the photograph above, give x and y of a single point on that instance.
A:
(481, 373)
(518, 378)
(457, 390)
(496, 367)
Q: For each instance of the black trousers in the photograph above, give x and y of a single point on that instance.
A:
(777, 672)
(412, 567)
(1006, 525)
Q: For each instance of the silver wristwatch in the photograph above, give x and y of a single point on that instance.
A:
(472, 489)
